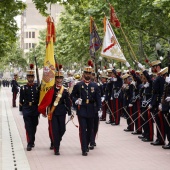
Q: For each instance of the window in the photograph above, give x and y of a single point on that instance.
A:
(29, 45)
(26, 34)
(29, 34)
(33, 34)
(26, 45)
(33, 45)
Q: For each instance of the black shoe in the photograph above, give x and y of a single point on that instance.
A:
(108, 122)
(136, 133)
(51, 146)
(94, 144)
(33, 145)
(113, 124)
(157, 143)
(57, 153)
(141, 137)
(102, 119)
(128, 130)
(91, 147)
(166, 146)
(146, 140)
(29, 148)
(84, 153)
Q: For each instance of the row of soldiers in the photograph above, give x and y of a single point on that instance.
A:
(136, 95)
(142, 97)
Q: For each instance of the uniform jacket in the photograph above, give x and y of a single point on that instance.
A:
(29, 98)
(90, 92)
(158, 87)
(15, 85)
(64, 105)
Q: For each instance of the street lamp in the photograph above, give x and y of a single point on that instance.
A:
(158, 48)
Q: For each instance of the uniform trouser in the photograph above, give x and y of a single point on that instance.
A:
(94, 130)
(31, 123)
(85, 130)
(117, 112)
(104, 108)
(148, 124)
(129, 118)
(167, 126)
(136, 115)
(50, 131)
(14, 96)
(160, 124)
(111, 105)
(58, 130)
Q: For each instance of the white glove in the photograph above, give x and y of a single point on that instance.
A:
(134, 83)
(140, 66)
(167, 79)
(69, 117)
(150, 106)
(78, 101)
(127, 64)
(114, 79)
(130, 105)
(160, 107)
(102, 99)
(100, 113)
(168, 99)
(146, 85)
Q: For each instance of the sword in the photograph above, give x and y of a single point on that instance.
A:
(128, 115)
(166, 120)
(110, 110)
(157, 127)
(146, 122)
(140, 116)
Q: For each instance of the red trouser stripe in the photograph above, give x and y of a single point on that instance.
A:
(112, 109)
(117, 112)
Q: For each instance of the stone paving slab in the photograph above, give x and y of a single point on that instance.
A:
(115, 148)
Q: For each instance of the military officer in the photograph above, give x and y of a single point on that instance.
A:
(29, 97)
(60, 106)
(165, 108)
(86, 95)
(15, 90)
(158, 87)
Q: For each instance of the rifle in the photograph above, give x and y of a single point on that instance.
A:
(37, 73)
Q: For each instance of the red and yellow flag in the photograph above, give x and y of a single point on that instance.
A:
(113, 18)
(48, 78)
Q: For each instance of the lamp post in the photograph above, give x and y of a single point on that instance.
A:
(158, 48)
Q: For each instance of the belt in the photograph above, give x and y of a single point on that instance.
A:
(30, 103)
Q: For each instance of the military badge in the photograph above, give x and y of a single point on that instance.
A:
(92, 89)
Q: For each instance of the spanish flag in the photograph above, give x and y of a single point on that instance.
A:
(48, 78)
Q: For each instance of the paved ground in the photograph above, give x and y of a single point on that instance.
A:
(115, 149)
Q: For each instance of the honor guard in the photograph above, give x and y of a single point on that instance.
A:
(29, 97)
(165, 108)
(136, 103)
(158, 87)
(60, 106)
(113, 94)
(15, 89)
(103, 78)
(128, 94)
(146, 94)
(86, 95)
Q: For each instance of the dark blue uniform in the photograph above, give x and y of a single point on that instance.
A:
(29, 98)
(14, 85)
(166, 113)
(58, 126)
(113, 94)
(145, 101)
(91, 99)
(158, 87)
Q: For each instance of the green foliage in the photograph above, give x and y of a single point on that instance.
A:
(144, 22)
